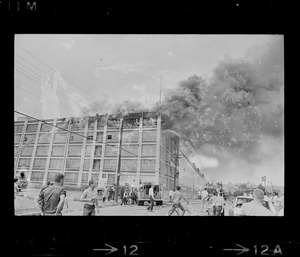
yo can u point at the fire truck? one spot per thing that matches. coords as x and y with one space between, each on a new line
143 194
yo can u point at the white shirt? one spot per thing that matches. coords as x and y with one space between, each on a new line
171 193
151 192
204 194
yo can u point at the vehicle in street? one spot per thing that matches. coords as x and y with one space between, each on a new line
235 209
143 194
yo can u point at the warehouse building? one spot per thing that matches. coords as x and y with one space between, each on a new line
87 148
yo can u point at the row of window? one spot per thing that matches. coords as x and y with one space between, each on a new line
74 164
71 177
75 150
61 137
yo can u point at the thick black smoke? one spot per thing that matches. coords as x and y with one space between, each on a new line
242 102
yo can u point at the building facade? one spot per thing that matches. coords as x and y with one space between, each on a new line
85 149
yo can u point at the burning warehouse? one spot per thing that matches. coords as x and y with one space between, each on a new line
87 148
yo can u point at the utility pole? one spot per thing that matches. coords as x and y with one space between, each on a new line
193 185
119 160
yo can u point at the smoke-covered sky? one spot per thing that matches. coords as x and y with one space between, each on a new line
222 93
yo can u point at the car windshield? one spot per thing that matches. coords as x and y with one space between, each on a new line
241 201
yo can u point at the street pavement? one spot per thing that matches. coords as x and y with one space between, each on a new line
24 205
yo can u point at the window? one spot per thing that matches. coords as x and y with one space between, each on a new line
111 179
72 164
95 177
46 127
111 150
31 127
103 175
75 138
96 164
60 138
44 138
151 122
39 163
19 128
130 136
99 136
110 164
37 176
58 150
84 178
74 150
114 136
128 165
90 136
51 176
78 125
86 164
70 178
29 138
147 164
98 150
88 150
27 150
91 123
17 138
42 150
149 135
24 162
56 164
130 150
148 150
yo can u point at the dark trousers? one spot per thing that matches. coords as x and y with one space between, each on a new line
88 210
150 207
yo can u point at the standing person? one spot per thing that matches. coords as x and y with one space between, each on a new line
281 211
176 199
151 194
256 207
204 195
122 193
124 199
276 202
109 189
51 200
171 192
219 202
89 196
213 203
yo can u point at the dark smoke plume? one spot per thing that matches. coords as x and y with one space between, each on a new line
242 102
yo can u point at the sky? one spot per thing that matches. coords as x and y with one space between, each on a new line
63 75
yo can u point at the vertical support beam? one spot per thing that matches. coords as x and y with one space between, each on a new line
119 161
138 172
103 152
34 148
82 153
49 152
157 164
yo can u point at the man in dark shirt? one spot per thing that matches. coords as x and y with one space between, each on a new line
50 201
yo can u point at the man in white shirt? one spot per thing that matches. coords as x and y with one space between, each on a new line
171 194
204 195
219 203
89 196
256 207
151 194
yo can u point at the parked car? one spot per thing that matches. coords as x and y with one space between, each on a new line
235 209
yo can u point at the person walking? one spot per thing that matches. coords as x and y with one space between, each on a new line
256 207
151 194
204 195
51 200
124 199
171 192
276 202
213 203
176 199
89 196
219 203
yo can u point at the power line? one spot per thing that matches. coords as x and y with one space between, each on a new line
37 80
87 95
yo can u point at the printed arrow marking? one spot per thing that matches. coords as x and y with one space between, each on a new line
111 250
241 250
